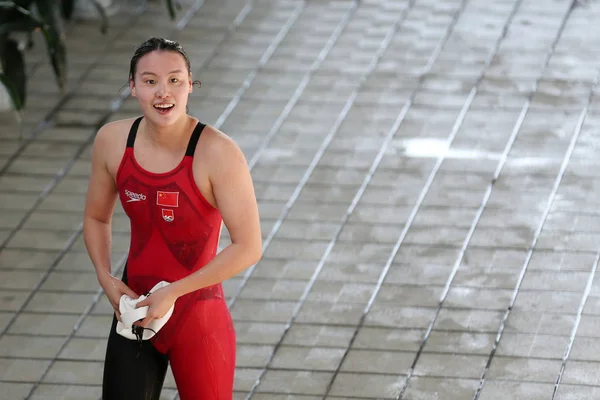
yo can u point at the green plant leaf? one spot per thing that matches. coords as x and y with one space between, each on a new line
22 24
13 75
58 55
30 41
12 92
14 10
171 7
54 37
11 4
104 18
66 8
23 3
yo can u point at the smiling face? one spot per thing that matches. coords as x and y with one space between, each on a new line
162 84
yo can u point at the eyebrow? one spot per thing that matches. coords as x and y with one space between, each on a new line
176 71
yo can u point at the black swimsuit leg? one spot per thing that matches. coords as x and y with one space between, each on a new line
132 371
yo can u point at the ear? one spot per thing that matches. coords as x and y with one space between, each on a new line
191 84
132 87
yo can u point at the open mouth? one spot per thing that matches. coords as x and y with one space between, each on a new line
163 108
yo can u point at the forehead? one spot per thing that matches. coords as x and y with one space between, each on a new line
161 62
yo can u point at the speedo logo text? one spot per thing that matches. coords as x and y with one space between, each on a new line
134 196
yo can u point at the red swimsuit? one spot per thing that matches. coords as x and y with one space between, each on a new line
175 232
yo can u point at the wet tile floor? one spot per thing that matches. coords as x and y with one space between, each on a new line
428 186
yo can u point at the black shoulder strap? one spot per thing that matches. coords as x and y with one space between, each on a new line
194 139
133 132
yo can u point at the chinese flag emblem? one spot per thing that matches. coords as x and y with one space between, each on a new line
168 215
167 199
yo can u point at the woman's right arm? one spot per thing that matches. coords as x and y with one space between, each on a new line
97 220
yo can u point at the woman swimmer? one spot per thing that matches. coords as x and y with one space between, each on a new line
178 180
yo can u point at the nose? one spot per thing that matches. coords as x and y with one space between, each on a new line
162 91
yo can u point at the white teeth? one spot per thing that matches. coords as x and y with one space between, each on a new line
163 105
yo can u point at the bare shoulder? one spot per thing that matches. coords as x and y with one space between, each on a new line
231 188
112 133
220 151
110 142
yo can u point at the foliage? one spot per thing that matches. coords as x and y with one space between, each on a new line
46 17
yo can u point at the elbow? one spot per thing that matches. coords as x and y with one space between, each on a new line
258 255
87 223
255 252
91 218
93 226
248 250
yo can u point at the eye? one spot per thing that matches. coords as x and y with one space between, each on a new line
174 80
150 81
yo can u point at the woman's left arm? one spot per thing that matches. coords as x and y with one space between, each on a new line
233 191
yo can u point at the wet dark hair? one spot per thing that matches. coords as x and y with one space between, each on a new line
158 44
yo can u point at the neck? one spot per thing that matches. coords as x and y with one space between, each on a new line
169 136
